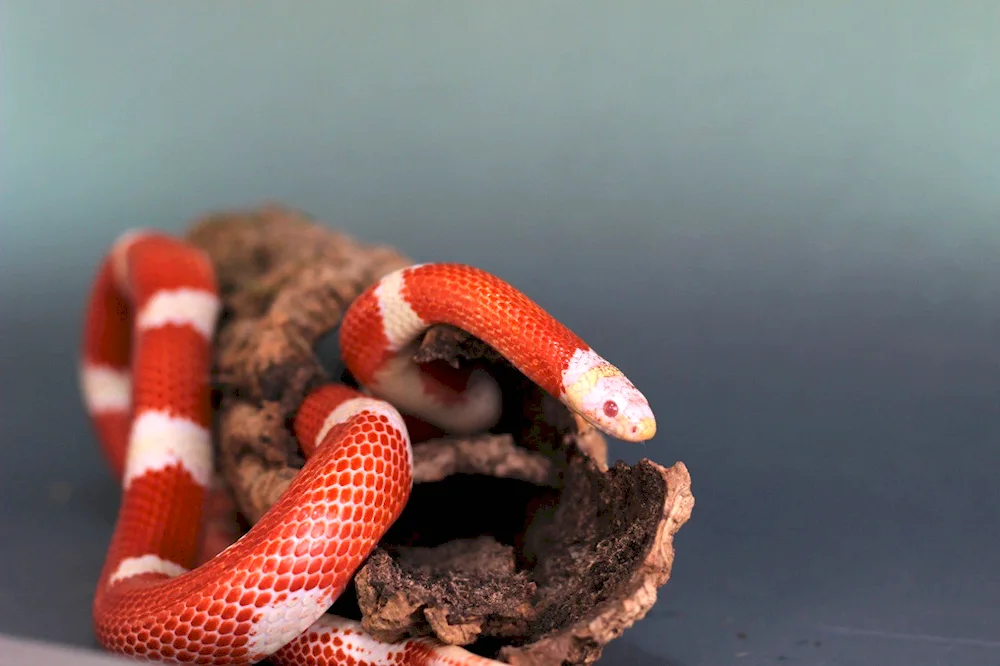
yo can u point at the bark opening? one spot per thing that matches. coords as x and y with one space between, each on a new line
520 544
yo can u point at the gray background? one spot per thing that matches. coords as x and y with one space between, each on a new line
779 218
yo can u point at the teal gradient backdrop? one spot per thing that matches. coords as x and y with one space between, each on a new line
782 219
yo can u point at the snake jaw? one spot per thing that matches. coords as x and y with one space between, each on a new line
639 423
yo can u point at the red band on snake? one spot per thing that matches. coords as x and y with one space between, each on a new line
145 370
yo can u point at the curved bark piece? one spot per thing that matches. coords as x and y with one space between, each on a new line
521 544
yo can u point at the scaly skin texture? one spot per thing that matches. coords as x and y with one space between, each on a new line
390 316
169 589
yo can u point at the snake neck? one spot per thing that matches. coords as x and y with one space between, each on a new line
383 325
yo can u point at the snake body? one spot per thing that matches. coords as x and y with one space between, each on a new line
145 366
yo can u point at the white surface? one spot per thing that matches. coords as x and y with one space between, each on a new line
20 652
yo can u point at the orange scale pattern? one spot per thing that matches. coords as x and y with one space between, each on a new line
305 548
334 640
477 300
266 593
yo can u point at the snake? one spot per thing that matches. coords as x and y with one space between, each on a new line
145 377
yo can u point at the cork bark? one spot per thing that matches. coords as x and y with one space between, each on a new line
521 544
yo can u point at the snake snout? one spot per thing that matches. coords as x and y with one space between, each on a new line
639 423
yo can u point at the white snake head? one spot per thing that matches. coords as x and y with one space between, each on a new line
605 398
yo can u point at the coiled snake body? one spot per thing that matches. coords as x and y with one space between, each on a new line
145 380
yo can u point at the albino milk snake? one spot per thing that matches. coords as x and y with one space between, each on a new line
145 370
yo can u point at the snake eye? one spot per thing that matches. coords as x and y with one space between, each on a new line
611 409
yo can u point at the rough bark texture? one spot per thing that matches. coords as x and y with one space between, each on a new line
520 544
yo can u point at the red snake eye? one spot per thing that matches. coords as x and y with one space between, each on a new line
611 409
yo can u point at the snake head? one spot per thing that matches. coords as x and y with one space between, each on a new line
607 399
621 412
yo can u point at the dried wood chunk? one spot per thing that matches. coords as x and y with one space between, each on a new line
521 544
